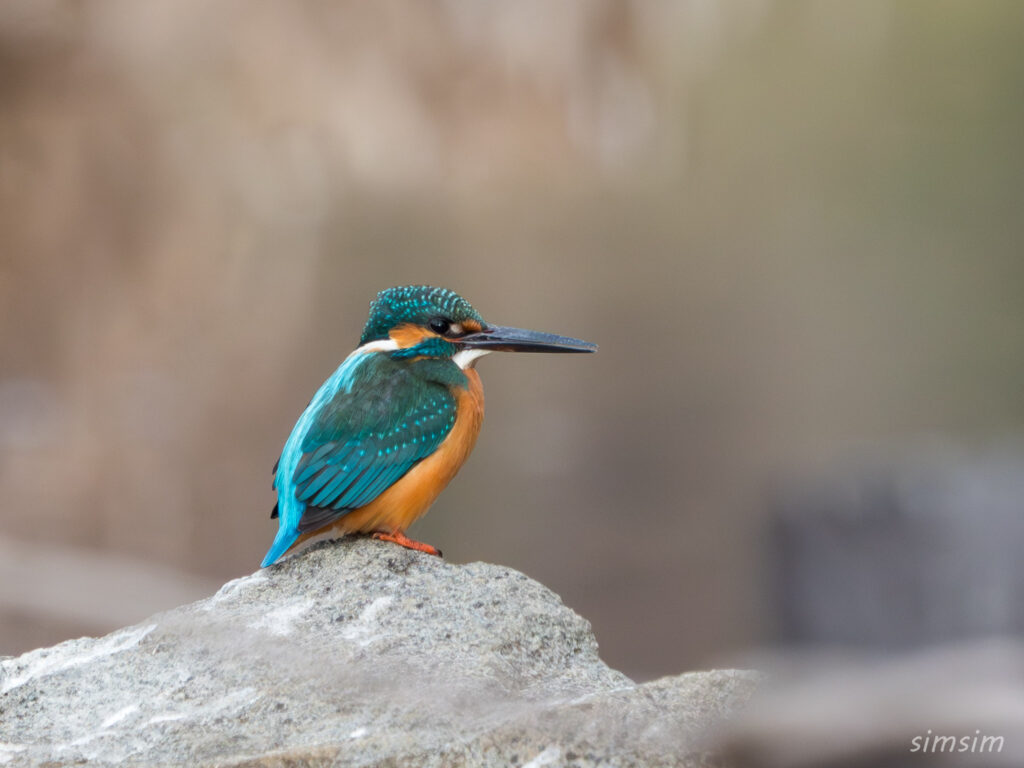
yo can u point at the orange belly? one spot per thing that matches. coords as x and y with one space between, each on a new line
410 497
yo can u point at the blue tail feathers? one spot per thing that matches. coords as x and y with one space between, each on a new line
284 539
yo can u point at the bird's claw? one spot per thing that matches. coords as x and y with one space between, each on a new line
404 541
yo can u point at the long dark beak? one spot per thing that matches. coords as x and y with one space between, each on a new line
500 339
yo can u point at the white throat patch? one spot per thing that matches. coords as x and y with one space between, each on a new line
466 358
382 345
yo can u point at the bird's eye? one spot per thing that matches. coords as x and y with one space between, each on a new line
440 326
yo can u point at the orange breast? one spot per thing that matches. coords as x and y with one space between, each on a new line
411 496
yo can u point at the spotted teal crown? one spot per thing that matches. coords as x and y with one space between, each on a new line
415 304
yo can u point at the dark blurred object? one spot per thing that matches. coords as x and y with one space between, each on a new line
950 707
900 555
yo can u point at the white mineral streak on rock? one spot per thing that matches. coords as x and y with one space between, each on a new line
167 717
9 751
365 629
49 661
233 587
120 715
548 757
227 704
281 621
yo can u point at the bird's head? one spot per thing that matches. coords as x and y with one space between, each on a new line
416 321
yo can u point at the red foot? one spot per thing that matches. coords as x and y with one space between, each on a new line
402 540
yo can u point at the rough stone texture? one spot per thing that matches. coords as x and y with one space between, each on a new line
356 653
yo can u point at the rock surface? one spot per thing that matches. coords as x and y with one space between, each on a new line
356 653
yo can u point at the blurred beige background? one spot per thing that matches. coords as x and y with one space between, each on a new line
794 228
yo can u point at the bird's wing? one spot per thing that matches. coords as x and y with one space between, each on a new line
366 437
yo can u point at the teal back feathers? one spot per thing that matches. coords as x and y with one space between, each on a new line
358 446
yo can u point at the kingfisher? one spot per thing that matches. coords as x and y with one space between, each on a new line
387 432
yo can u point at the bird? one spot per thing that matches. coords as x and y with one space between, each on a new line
390 428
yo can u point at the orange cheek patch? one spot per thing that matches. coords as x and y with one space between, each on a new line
471 326
409 335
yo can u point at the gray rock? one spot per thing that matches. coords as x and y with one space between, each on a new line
355 653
